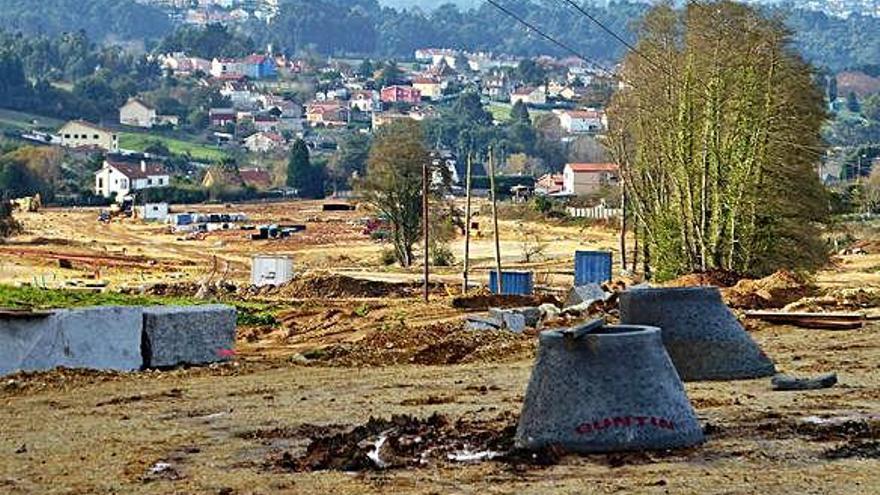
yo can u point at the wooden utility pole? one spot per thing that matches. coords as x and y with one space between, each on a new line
623 201
425 224
500 284
467 226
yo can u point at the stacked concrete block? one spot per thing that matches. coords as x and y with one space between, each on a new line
195 335
106 338
607 389
701 334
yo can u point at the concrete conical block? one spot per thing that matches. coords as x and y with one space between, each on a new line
613 389
701 334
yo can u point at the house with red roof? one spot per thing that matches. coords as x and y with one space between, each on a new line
582 121
587 178
264 142
123 178
404 94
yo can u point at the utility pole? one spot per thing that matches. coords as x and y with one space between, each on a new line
467 226
500 284
623 201
425 224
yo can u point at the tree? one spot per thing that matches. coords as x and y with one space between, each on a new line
366 69
871 107
389 75
852 102
302 175
8 225
350 158
393 183
529 72
520 113
718 155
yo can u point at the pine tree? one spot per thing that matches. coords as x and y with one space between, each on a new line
302 175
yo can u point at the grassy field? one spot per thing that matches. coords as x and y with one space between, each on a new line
22 121
139 142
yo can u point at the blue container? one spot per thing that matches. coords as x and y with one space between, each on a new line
592 267
513 283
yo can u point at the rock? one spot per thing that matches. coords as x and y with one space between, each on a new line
482 323
188 335
512 319
585 293
786 382
549 312
105 338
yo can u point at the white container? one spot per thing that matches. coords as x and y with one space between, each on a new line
271 270
153 212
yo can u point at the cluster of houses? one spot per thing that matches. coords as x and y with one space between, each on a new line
204 12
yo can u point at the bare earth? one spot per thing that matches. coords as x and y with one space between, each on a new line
221 429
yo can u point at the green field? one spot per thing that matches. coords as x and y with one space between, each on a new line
139 141
10 119
499 111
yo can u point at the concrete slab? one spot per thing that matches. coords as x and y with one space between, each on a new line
105 338
174 336
585 293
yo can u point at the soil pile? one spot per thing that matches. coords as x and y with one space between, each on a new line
189 289
717 278
436 344
335 286
401 442
775 291
484 300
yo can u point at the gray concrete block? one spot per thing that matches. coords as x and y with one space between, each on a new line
701 334
585 293
175 336
611 389
105 338
511 319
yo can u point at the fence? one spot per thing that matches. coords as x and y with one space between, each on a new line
600 212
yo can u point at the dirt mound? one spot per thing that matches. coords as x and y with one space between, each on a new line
335 286
484 300
189 289
436 344
401 442
717 278
775 291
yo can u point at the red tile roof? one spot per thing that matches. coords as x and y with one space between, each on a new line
593 167
255 177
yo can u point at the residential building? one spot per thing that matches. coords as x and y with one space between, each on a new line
267 123
264 142
256 177
259 67
123 178
219 117
330 113
428 87
404 94
365 100
136 113
529 95
588 178
221 67
82 134
582 121
550 184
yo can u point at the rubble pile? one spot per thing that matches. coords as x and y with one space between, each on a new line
334 286
775 291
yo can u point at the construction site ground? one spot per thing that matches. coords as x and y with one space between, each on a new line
327 353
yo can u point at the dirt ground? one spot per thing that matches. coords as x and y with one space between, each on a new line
128 252
327 365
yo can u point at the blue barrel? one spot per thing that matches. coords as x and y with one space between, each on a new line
513 283
592 267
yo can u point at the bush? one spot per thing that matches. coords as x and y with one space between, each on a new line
387 257
442 256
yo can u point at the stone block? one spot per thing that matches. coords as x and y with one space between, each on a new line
176 336
105 338
585 293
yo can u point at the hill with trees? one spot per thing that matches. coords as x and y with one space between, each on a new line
101 19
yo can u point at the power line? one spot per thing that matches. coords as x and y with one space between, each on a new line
549 38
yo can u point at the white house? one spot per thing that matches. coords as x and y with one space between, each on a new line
82 134
264 142
123 178
587 178
136 113
582 121
529 95
152 212
365 100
